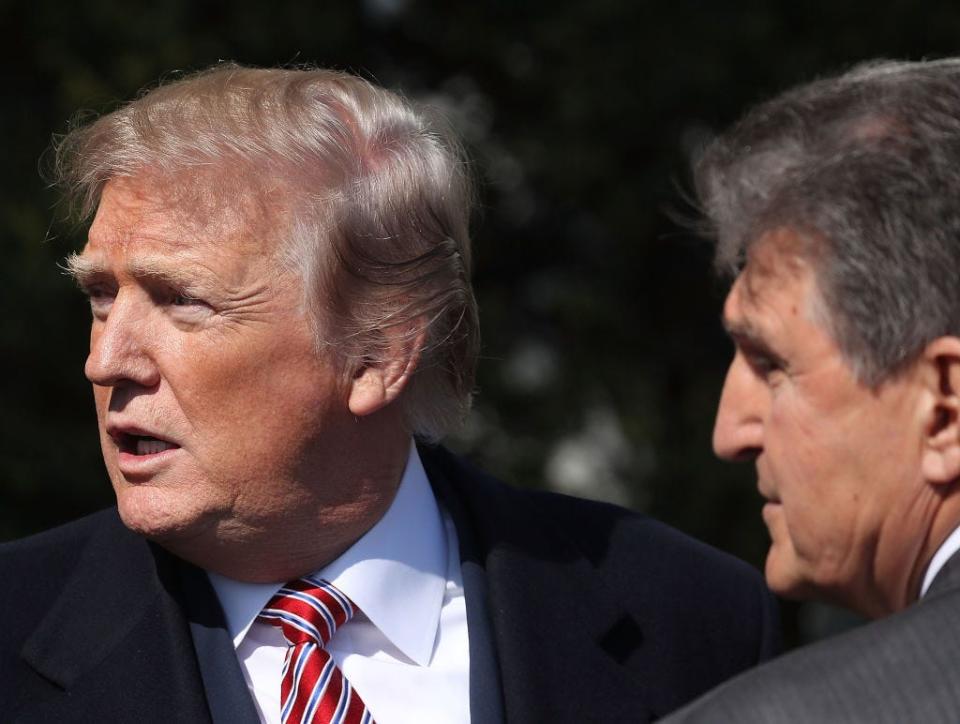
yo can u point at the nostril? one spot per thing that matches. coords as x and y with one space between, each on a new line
736 445
738 434
746 455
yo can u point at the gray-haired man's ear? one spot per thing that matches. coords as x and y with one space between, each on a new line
941 454
380 381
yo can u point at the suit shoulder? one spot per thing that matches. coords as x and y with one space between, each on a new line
890 670
607 534
40 565
636 554
54 549
611 535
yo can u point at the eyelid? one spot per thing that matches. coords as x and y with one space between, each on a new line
163 289
90 287
186 302
763 363
757 353
189 300
762 360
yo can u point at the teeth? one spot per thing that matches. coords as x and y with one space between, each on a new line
151 447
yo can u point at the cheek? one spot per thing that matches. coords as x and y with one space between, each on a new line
256 407
101 402
803 462
793 451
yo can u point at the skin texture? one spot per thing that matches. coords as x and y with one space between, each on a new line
278 460
859 481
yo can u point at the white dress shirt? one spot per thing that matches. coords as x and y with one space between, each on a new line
406 651
950 546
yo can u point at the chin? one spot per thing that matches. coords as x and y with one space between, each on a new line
789 579
152 513
783 576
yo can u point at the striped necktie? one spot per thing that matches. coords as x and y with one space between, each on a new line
313 691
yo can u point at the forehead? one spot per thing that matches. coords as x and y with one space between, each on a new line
177 214
775 300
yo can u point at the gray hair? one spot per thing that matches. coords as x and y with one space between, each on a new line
865 168
374 199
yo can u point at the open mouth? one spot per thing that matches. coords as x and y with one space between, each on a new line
142 444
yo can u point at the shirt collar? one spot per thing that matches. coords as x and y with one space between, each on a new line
395 573
946 550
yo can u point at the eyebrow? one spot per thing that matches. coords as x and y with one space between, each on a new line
86 271
748 336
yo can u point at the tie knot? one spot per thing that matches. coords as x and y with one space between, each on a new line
308 609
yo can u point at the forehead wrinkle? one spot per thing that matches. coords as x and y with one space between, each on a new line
124 235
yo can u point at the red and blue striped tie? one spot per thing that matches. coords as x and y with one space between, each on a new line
313 691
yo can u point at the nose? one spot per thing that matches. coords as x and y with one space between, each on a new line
738 430
121 346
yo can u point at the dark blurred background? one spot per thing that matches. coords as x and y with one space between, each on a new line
603 356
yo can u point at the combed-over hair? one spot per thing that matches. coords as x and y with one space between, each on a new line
374 202
865 167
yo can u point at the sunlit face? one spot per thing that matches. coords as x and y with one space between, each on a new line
837 462
218 419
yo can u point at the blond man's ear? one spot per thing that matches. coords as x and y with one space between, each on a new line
379 381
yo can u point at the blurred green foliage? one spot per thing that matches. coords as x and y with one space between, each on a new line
603 356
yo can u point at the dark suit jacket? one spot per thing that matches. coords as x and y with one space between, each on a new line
903 668
577 611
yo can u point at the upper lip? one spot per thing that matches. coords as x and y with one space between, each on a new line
766 493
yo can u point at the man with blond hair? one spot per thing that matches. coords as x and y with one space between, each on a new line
278 270
837 208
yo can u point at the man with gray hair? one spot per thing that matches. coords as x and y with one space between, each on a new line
837 208
278 271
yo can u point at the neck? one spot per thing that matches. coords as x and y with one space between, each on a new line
943 519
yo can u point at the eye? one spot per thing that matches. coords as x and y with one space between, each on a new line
764 365
183 300
100 298
184 306
170 295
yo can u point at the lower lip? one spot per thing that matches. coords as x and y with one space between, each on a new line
769 509
133 466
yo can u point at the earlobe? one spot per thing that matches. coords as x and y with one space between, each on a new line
941 466
941 454
367 391
380 381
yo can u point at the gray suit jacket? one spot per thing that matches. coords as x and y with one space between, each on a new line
904 668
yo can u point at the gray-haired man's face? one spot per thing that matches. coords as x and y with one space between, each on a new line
837 462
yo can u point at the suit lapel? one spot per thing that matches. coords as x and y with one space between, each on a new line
115 643
227 693
486 695
559 640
